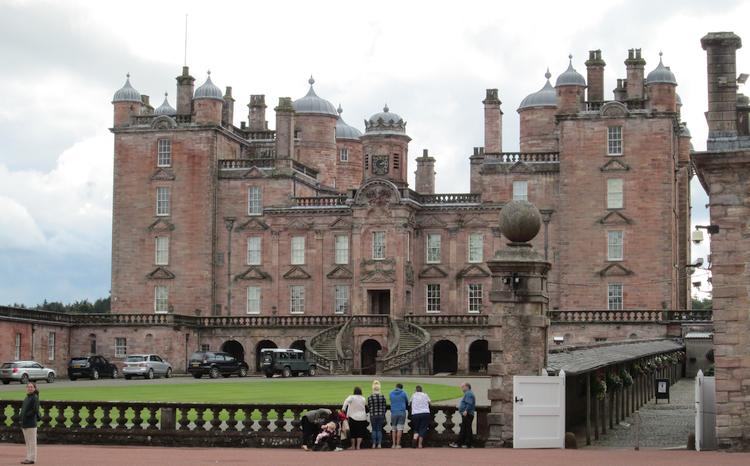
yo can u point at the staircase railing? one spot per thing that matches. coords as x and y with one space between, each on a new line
394 336
402 359
344 360
320 360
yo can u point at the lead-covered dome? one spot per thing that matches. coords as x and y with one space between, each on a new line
126 93
208 90
570 77
344 131
385 122
661 74
165 108
312 104
544 97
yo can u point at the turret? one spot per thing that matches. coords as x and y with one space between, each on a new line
349 155
493 122
208 102
425 174
537 113
570 87
661 84
386 146
185 84
315 124
127 103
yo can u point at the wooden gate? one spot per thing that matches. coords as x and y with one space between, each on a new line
539 411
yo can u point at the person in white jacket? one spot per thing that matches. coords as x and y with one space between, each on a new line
355 407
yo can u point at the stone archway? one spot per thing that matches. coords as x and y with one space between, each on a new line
234 348
299 345
368 356
263 344
444 357
479 356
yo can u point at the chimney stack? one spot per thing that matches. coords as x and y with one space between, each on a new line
425 174
185 84
257 113
227 110
721 50
285 128
595 76
635 65
493 122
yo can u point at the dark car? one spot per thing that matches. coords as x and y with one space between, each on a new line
287 362
92 367
215 364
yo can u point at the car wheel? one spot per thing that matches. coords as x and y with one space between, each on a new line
214 373
95 375
243 371
168 374
114 373
127 377
269 375
312 371
72 379
51 377
25 379
6 382
197 376
287 372
150 374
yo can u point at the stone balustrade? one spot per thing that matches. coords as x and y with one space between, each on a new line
630 315
370 320
318 201
437 320
528 157
195 424
272 321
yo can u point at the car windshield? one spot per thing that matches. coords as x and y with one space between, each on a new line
198 356
135 359
79 359
7 365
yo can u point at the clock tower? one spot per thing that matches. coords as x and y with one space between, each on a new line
386 147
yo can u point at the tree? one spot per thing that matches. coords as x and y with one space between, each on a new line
705 304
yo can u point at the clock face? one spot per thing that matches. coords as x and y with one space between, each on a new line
380 164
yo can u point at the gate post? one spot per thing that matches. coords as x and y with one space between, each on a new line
518 318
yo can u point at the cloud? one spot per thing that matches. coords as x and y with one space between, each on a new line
18 230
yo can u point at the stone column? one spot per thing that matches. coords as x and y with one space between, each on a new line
518 317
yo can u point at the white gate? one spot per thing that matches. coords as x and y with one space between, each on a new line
705 412
539 411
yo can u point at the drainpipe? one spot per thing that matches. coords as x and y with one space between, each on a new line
229 223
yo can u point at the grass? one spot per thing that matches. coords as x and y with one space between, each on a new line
263 392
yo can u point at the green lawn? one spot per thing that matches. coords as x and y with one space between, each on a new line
266 392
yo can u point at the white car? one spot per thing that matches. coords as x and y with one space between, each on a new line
147 366
25 372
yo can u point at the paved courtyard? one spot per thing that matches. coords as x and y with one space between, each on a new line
68 455
662 425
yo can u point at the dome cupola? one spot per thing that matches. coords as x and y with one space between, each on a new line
570 77
165 108
344 131
126 93
385 122
208 90
544 97
661 74
312 104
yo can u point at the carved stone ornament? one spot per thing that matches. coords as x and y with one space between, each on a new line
164 122
253 273
160 273
378 192
614 109
379 164
296 273
161 224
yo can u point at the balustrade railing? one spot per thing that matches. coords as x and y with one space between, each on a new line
316 201
468 320
272 321
630 315
399 360
528 157
193 424
370 320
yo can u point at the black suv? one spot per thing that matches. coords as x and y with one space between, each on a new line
92 367
215 364
287 362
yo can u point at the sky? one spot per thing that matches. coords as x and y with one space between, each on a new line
430 62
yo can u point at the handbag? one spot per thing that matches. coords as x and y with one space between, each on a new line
344 429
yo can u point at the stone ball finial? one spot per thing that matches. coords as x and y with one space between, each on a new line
520 221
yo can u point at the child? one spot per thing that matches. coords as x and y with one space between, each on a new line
326 439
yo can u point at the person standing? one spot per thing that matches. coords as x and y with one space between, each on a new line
399 401
420 416
29 417
467 408
311 423
376 406
355 407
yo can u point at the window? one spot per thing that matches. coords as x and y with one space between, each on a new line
614 193
342 249
367 161
162 201
254 250
520 190
205 347
51 346
396 161
378 245
614 297
614 245
297 299
121 347
433 248
18 346
476 247
614 140
342 299
475 297
433 298
253 300
343 154
161 299
162 250
298 250
164 153
254 201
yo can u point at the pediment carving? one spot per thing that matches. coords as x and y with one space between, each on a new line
253 273
160 273
254 172
471 222
615 217
161 224
340 273
377 192
296 273
298 224
163 174
164 122
432 271
253 224
341 223
614 109
615 270
379 276
473 271
378 271
520 167
614 165
430 221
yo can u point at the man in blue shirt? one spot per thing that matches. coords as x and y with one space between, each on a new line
466 407
399 401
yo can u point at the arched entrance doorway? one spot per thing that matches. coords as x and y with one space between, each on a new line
444 357
234 348
368 355
263 344
479 356
299 344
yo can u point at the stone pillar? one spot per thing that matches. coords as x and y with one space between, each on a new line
257 113
424 181
518 318
493 123
284 128
721 54
185 84
227 110
595 76
634 84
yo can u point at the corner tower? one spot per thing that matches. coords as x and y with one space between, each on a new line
386 147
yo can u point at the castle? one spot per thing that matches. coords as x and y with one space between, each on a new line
315 218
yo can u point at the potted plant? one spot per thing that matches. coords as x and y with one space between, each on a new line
627 379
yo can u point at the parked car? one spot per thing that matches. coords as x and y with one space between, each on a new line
25 371
287 362
92 367
147 366
215 364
